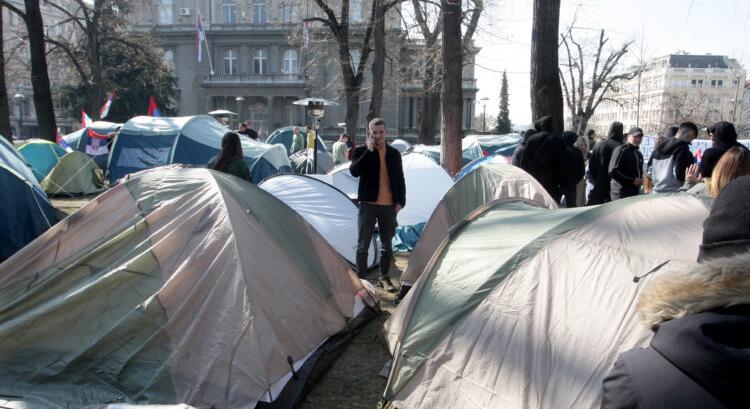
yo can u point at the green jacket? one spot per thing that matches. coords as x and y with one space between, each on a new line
237 167
298 142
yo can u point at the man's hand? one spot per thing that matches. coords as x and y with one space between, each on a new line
370 143
693 173
398 208
637 181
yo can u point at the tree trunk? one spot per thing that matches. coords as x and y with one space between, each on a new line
352 114
378 64
5 128
546 91
452 90
45 110
430 111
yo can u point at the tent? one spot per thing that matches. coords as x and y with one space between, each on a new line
146 142
490 159
325 208
524 307
470 150
75 174
491 181
401 145
303 164
180 285
284 136
41 155
340 178
25 210
499 144
80 139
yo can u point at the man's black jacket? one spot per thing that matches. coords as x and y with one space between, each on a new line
366 166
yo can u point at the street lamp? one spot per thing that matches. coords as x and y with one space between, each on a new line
484 101
20 98
239 103
316 109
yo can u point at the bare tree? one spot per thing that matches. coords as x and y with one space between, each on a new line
378 64
694 107
589 82
546 92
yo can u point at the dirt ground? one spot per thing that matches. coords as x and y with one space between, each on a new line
353 381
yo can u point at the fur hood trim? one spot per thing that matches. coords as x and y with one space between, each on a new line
716 283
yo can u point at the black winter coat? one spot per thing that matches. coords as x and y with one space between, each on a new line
575 167
366 166
698 361
599 162
625 166
543 158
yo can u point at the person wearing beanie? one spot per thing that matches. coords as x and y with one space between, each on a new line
724 138
699 356
626 167
599 164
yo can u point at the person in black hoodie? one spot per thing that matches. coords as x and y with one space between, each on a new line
543 156
575 167
626 167
599 164
518 152
724 137
666 167
699 356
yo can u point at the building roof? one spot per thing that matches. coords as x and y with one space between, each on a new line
697 61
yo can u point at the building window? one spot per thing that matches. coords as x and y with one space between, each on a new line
290 12
259 12
229 11
165 12
720 83
355 11
168 60
291 62
230 61
411 112
260 62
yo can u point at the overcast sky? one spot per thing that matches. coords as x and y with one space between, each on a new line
719 27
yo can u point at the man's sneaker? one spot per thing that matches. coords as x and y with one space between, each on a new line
386 283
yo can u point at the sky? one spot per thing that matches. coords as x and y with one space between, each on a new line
658 27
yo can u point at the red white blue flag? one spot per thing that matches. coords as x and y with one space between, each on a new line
153 109
200 36
104 111
85 120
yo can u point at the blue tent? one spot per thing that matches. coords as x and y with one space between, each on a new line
80 138
42 156
148 142
26 213
284 137
484 160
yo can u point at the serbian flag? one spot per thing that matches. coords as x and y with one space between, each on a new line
104 111
153 109
85 120
698 155
200 36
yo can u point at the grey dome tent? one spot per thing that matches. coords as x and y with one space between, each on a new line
525 307
179 285
284 136
326 208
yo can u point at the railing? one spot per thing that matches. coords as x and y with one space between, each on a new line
467 83
254 79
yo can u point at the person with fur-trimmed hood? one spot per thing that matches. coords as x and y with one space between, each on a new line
699 356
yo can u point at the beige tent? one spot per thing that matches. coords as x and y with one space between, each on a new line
486 183
75 174
526 307
177 286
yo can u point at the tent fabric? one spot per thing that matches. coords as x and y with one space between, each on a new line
401 145
10 157
470 150
180 285
529 307
325 208
79 139
303 164
75 174
484 160
285 135
147 142
42 156
499 144
488 182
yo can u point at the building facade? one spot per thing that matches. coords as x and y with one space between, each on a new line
260 59
680 87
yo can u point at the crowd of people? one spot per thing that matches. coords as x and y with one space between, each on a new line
615 168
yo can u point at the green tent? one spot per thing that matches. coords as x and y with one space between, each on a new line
180 285
75 174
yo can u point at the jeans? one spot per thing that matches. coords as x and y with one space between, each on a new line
386 217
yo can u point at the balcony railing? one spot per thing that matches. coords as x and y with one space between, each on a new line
468 84
284 79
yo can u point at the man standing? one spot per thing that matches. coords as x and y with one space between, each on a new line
381 195
626 167
543 156
599 164
298 141
672 156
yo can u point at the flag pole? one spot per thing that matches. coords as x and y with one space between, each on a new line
208 51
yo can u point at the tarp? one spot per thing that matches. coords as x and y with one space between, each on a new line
499 144
487 182
75 174
528 308
147 142
326 208
79 139
180 285
303 163
284 137
42 156
470 150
